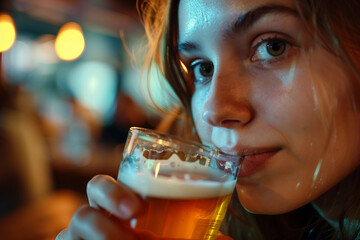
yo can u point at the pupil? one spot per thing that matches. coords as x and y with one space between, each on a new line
275 48
206 69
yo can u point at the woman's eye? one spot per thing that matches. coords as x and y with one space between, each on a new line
271 49
202 71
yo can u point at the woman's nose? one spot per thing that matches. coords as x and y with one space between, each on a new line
228 104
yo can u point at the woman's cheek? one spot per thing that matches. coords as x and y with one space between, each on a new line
197 106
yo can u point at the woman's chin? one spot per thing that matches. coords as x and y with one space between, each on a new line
268 204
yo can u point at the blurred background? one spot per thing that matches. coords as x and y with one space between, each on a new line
69 91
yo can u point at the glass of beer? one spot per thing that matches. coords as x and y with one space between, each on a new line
187 186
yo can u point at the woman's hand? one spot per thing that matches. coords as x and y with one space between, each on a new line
107 217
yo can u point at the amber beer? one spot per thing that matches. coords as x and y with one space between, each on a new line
181 204
187 185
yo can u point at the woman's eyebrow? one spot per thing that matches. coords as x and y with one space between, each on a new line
188 47
245 21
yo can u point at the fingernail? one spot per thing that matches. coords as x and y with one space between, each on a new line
127 209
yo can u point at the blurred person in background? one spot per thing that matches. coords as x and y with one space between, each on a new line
25 171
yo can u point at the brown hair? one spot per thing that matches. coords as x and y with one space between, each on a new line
334 24
160 20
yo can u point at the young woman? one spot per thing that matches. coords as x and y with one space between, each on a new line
276 81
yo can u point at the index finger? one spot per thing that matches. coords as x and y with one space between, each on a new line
106 193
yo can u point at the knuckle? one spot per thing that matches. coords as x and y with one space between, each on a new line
113 191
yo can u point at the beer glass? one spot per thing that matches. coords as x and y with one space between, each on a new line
187 186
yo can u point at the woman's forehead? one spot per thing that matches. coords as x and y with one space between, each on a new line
200 7
210 16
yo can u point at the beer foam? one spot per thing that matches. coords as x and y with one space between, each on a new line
153 182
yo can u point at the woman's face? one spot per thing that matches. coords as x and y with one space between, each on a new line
265 89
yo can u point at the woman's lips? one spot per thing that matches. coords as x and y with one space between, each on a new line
252 162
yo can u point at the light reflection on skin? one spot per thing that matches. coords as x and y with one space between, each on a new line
316 173
291 74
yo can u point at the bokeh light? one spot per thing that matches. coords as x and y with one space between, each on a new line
94 85
7 32
70 42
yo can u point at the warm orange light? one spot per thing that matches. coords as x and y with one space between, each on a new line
184 67
70 42
7 32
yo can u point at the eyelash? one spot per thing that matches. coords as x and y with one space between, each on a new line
263 41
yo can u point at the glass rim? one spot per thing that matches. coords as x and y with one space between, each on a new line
165 136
